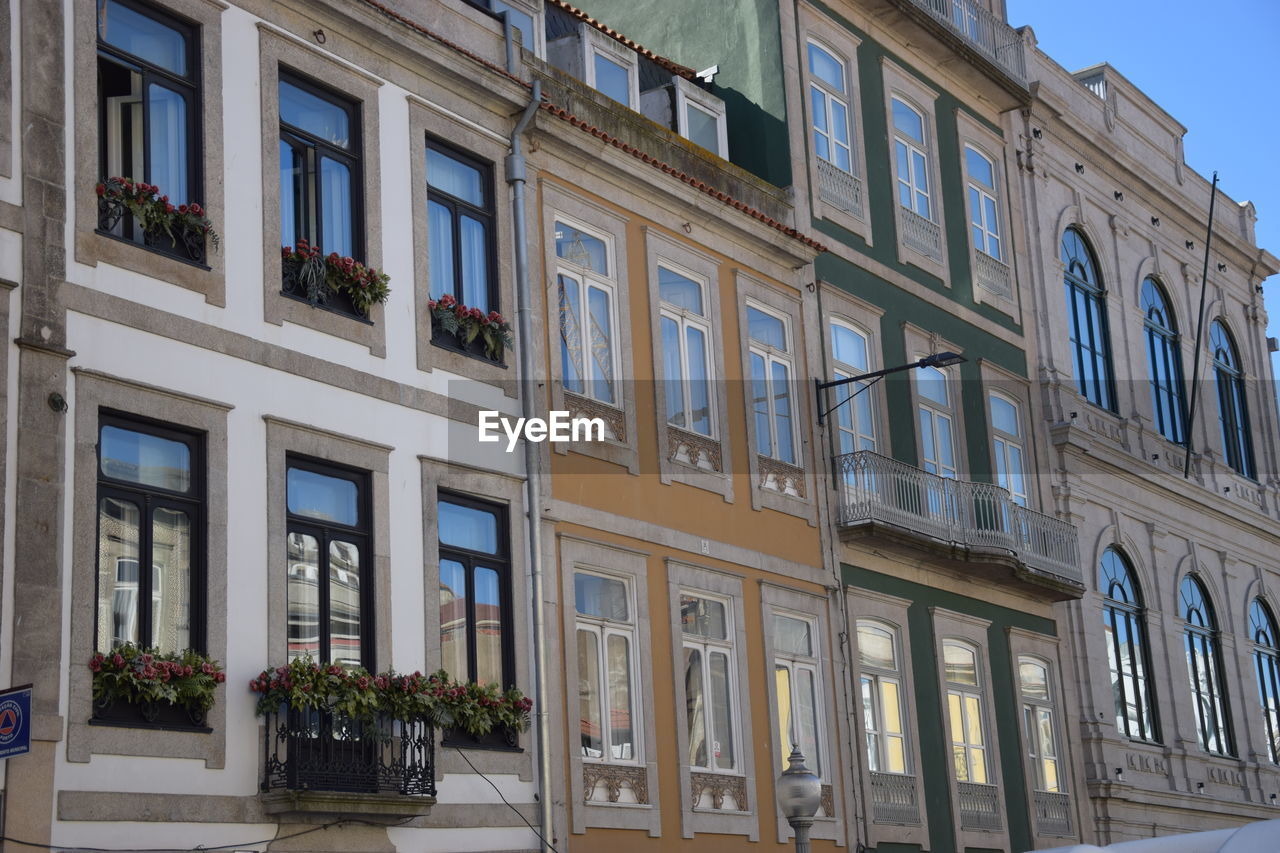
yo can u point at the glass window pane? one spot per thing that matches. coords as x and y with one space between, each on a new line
170 580
791 635
889 698
931 384
703 617
612 79
826 68
1004 415
695 708
167 143
440 249
602 597
721 711
782 686
520 20
699 393
146 459
849 347
703 127
144 37
781 384
807 719
571 333
468 527
292 202
344 603
592 744
679 291
840 129
960 663
320 496
475 263
973 720
580 248
621 731
908 121
760 405
896 754
1035 680
489 627
818 109
304 596
875 647
118 555
337 214
315 115
980 169
955 717
673 372
766 329
453 619
452 176
600 343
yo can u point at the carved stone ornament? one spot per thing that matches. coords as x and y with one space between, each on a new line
615 422
781 476
828 801
718 785
614 777
693 449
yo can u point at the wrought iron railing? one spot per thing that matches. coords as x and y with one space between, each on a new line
839 188
923 235
979 806
320 751
985 32
893 799
876 488
992 275
1053 813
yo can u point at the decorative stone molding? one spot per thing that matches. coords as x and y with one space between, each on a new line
614 777
827 799
718 784
615 421
781 476
693 449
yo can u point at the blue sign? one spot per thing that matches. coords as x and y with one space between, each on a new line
15 721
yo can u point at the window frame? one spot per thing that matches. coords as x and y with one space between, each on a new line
1164 348
596 43
1233 401
707 646
811 663
1265 638
1202 642
1001 442
458 206
965 692
586 279
1033 743
918 148
603 628
684 319
934 411
1135 616
786 358
843 97
1093 296
689 95
905 86
842 369
875 676
985 193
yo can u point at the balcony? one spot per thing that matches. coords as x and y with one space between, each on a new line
980 31
923 235
992 275
839 188
977 525
893 799
1053 813
979 806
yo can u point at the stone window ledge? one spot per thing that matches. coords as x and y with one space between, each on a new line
346 803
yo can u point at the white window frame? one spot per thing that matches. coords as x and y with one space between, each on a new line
706 646
810 663
596 43
978 216
684 319
935 412
916 185
771 356
586 279
1034 744
964 692
690 95
839 370
535 11
877 675
902 85
1042 650
1001 441
828 95
603 628
975 136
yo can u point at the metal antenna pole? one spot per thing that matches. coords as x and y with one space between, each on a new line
1195 356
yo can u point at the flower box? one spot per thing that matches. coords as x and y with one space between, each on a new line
469 330
135 210
134 686
340 283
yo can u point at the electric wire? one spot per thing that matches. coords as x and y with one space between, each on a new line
541 837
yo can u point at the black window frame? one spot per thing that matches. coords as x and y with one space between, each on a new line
324 531
1201 641
1164 350
1233 402
194 502
1134 616
1099 387
487 215
192 87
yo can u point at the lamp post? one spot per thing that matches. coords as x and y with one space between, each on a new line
799 794
938 359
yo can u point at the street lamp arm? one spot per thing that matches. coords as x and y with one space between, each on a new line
938 359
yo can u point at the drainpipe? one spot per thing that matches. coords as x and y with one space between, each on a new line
515 168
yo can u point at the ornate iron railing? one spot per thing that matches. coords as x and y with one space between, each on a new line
893 799
985 32
839 188
1053 813
319 751
992 275
979 806
876 488
923 235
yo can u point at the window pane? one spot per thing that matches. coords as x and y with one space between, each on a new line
840 131
1035 680
453 619
849 347
458 179
167 143
875 647
589 694
961 664
323 497
896 754
826 68
580 248
679 291
317 116
468 527
145 38
602 597
601 344
791 635
782 686
889 698
721 711
304 596
475 263
673 372
781 378
621 732
766 329
973 720
118 555
1004 415
571 333
908 121
612 79
695 708
292 202
170 580
520 20
931 384
344 603
807 718
703 617
337 226
699 399
818 108
979 167
760 405
489 627
148 460
704 128
440 249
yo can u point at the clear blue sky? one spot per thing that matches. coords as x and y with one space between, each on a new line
1215 67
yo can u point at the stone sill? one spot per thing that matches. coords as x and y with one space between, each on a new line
346 803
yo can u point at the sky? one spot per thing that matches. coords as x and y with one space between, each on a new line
1215 67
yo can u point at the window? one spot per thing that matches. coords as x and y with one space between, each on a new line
964 712
686 353
1086 300
1125 629
150 514
829 108
611 68
795 673
1266 662
460 228
330 570
1233 410
709 683
882 698
700 117
911 159
1164 363
1038 725
984 218
475 607
855 419
1204 668
587 311
606 668
148 102
770 360
1006 440
937 440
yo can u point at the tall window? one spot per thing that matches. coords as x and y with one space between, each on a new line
1086 300
1266 663
1125 628
686 354
148 100
1038 724
606 668
586 279
475 596
319 168
1204 668
795 672
937 441
984 217
911 159
855 420
150 573
1233 410
710 687
330 563
1007 449
1164 362
460 228
829 108
770 358
964 712
883 701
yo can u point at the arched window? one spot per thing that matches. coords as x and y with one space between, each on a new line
1233 412
1038 723
1205 669
1266 661
1124 623
829 103
964 711
855 420
1087 305
1164 363
883 702
911 159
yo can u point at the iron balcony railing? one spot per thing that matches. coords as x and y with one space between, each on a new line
839 188
985 32
992 275
1053 813
893 799
875 488
320 751
979 806
923 235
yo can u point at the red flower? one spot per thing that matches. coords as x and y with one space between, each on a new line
219 677
168 208
447 300
182 208
96 664
100 189
118 660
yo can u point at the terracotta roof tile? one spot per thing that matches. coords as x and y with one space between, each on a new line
673 67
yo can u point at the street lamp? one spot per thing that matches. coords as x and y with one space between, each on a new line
938 359
799 794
